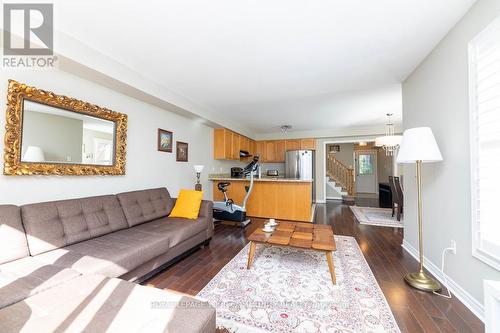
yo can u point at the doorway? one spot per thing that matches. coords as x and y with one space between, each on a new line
366 171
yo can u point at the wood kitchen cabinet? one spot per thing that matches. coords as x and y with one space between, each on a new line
244 143
260 149
270 149
286 200
252 150
227 144
280 151
292 145
235 146
223 144
308 144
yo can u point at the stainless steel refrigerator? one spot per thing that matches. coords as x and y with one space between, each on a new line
299 164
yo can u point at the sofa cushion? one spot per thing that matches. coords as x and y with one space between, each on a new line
56 224
115 254
146 205
26 277
13 243
177 229
94 303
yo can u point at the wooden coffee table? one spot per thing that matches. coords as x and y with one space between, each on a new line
317 237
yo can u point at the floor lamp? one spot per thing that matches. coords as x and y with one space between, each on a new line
419 146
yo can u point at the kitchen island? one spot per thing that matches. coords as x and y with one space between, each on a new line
271 197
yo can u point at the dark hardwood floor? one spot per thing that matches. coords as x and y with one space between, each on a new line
414 311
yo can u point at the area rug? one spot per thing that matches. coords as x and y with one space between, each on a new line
290 290
376 216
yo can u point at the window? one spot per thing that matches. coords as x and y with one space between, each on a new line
365 164
484 81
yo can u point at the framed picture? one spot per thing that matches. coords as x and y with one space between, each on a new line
165 140
182 151
334 148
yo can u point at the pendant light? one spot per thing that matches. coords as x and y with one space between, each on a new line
389 142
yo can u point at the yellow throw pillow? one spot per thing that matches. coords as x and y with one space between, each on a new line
188 204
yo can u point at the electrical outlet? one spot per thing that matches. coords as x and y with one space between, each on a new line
453 246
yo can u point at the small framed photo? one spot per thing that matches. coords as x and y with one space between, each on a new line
334 148
182 151
165 140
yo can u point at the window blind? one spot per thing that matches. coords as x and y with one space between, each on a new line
484 77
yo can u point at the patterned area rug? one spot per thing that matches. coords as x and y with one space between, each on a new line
290 290
376 216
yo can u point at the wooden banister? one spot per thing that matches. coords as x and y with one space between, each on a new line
341 174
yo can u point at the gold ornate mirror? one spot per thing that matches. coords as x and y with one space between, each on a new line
49 134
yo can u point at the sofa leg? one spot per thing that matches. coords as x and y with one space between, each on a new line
206 243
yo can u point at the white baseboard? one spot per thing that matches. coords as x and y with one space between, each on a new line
470 302
333 198
321 201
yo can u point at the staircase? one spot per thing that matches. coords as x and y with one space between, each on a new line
340 178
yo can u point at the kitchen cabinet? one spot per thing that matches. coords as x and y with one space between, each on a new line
227 144
260 149
280 151
308 144
270 152
244 143
285 200
235 146
252 149
292 145
223 144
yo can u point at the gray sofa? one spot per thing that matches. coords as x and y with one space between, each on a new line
69 265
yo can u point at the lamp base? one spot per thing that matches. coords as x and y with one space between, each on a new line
422 281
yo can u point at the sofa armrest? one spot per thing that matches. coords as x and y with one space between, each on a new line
207 214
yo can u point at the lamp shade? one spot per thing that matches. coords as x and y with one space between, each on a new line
34 154
419 144
198 168
388 140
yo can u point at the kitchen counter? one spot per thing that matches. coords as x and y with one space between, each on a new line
263 179
271 197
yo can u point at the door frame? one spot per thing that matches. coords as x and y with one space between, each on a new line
376 167
353 139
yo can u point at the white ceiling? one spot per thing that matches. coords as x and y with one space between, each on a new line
312 64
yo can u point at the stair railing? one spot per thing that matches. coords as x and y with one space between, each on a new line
341 174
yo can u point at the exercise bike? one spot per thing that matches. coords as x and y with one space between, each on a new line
227 210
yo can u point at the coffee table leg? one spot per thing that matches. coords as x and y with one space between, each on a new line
330 266
250 254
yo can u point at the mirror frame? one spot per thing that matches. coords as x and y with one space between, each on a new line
17 93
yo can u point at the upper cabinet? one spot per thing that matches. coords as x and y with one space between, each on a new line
308 144
227 146
292 145
280 150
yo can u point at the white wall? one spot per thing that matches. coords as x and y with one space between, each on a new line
145 168
436 95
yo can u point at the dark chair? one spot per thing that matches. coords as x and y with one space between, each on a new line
399 191
394 194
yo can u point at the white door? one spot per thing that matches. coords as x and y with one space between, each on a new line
366 171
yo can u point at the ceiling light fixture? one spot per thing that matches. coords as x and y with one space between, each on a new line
286 128
390 142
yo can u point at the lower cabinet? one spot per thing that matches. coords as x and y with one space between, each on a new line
272 199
